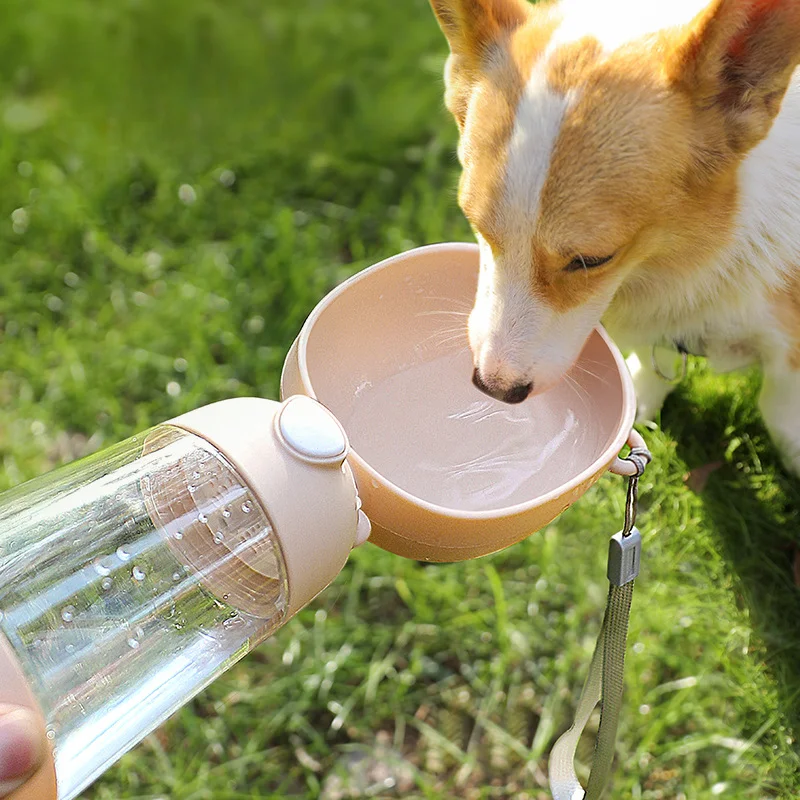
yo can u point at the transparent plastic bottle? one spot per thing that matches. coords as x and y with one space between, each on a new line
132 579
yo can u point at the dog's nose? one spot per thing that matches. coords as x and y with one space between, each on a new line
516 394
478 381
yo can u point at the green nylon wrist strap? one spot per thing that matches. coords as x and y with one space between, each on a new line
605 680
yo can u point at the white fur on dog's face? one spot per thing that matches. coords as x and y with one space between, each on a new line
517 337
578 145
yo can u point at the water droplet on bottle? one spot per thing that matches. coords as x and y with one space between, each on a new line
219 537
133 644
123 554
138 574
68 613
226 512
225 596
202 518
51 734
176 576
192 488
247 506
70 648
179 535
106 583
101 569
196 475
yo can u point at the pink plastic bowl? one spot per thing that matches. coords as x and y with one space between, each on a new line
445 473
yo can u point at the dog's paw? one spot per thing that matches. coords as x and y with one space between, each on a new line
791 461
778 402
788 447
648 409
787 443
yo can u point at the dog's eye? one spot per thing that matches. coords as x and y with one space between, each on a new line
587 262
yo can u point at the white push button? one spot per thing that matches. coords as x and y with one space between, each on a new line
311 431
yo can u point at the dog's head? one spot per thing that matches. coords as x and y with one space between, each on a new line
598 143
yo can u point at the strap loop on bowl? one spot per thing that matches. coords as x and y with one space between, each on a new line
633 464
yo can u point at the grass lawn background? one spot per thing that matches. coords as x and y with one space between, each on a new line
181 182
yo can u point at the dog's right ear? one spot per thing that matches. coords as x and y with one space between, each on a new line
471 28
736 59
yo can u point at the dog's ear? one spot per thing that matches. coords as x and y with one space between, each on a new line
471 28
737 58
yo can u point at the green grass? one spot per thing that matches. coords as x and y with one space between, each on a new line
313 138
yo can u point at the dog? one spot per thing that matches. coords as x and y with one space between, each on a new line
637 163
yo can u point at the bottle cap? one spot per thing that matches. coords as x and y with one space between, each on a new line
291 455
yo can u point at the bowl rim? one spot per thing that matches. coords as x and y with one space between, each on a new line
600 464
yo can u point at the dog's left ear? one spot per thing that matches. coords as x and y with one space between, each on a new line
737 59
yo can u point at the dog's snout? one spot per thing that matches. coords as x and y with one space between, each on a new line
478 381
514 394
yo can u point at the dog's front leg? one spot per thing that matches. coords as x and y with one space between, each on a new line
651 388
780 408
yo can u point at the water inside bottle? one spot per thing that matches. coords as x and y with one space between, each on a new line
428 430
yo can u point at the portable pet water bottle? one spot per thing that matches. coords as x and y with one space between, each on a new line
132 579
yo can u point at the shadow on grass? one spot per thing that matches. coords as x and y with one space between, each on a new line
753 505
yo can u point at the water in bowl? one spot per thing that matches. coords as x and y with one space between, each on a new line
428 430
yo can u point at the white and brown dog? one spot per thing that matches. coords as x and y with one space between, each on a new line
635 161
